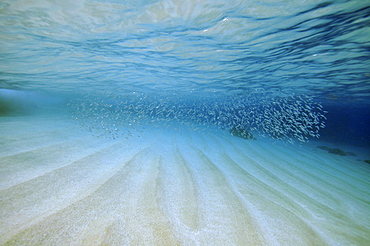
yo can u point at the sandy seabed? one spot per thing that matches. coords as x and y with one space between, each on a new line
60 185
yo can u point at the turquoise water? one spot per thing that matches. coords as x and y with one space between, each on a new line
227 57
184 122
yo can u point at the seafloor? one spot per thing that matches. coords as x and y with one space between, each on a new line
60 185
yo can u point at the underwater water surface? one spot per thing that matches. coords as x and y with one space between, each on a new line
190 109
238 52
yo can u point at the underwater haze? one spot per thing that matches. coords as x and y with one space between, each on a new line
202 49
184 122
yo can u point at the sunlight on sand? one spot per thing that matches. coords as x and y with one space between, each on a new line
59 185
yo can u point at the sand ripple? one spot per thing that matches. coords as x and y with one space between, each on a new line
61 186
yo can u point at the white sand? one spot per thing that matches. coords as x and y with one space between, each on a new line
59 185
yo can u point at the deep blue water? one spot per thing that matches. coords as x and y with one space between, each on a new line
261 65
347 124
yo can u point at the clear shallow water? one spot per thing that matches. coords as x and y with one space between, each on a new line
220 50
307 47
159 90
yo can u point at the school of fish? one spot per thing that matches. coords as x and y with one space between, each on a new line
288 118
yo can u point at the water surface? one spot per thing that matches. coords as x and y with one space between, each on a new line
184 122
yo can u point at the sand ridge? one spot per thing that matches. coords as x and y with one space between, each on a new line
165 187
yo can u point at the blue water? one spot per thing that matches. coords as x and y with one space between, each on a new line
228 57
184 122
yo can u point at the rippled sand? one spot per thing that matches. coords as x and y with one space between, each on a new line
59 185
